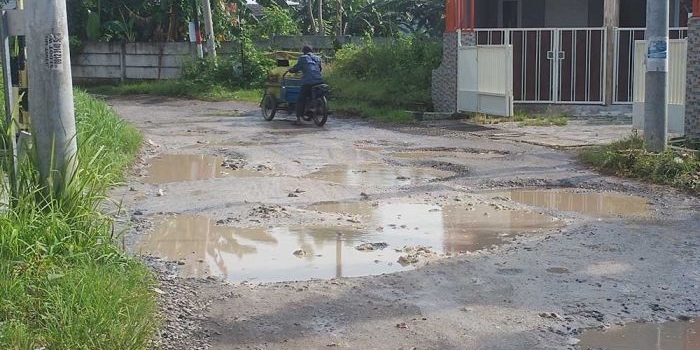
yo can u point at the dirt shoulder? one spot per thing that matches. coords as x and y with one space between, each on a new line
536 291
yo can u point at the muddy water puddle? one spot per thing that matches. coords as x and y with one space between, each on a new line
448 229
376 174
190 167
594 204
266 254
387 240
645 336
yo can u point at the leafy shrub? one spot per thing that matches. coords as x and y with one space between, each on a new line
395 74
248 70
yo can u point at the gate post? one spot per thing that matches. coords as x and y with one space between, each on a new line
459 17
692 96
444 79
611 21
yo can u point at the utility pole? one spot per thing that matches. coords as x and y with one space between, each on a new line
196 29
51 93
209 26
655 98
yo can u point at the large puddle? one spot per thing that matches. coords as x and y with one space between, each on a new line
645 336
594 204
303 253
189 167
374 174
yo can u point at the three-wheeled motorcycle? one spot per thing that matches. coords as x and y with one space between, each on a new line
283 88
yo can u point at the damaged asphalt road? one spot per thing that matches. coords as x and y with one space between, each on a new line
451 257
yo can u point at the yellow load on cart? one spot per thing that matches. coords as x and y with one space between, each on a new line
284 60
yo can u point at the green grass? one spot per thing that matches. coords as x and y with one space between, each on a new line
179 88
521 119
64 284
629 158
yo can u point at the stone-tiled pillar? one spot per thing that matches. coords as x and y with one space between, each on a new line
444 83
692 96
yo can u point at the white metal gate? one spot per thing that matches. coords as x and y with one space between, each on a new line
485 80
554 65
677 51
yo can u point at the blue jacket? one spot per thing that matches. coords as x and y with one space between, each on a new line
310 67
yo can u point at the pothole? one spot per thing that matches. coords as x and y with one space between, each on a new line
645 336
385 239
375 174
248 143
558 270
190 167
594 204
444 152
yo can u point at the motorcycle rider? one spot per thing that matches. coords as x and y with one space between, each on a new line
311 75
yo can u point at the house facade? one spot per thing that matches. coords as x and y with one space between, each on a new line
564 51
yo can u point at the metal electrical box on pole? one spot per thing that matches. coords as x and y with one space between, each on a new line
655 98
51 93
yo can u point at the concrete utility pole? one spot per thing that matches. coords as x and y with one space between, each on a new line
209 26
51 92
655 98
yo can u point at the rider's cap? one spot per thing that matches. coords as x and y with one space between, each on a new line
307 49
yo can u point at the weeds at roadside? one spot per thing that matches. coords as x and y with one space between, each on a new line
679 168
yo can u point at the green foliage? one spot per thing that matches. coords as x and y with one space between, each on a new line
395 75
276 21
166 20
629 158
122 29
148 21
64 284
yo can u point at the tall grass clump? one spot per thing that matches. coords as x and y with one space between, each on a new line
64 284
378 78
676 167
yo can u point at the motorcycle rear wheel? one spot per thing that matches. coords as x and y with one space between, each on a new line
321 111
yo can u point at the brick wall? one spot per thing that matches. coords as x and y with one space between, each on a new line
444 83
692 104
